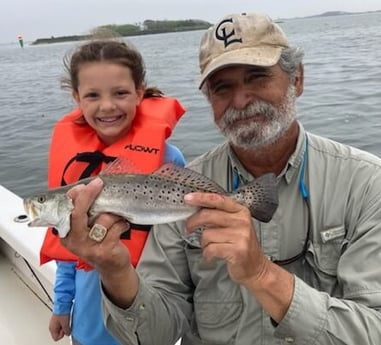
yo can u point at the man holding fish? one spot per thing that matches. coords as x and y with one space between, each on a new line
309 276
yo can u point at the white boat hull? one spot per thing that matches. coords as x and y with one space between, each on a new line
24 311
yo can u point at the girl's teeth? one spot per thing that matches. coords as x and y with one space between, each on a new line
110 119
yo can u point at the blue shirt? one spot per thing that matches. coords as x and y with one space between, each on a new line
78 291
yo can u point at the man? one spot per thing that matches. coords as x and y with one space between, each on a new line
309 276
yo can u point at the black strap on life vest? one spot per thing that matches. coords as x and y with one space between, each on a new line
94 159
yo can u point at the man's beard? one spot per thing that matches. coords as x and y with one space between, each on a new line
250 135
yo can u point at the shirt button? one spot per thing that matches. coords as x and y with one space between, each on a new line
142 307
289 340
129 318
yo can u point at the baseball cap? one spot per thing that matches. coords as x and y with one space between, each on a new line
241 39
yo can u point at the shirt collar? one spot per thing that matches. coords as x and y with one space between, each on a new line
294 163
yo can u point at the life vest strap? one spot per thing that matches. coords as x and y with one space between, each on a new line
95 159
136 227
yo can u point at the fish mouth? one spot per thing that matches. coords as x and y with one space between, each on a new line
33 212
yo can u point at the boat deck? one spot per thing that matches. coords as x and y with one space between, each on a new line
24 317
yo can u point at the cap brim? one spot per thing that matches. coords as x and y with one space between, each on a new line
259 56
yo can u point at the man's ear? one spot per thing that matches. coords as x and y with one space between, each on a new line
299 81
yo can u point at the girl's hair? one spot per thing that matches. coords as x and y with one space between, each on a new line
107 50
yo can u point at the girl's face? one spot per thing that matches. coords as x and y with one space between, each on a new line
108 98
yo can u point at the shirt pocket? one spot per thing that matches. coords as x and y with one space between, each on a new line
216 322
322 258
217 300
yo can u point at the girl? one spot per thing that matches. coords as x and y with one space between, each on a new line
117 116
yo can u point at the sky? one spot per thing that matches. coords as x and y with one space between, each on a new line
45 18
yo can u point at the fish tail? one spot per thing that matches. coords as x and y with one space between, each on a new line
260 196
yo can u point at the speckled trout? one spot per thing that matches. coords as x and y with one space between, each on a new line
148 198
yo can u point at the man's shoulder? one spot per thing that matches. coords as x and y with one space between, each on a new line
330 148
215 157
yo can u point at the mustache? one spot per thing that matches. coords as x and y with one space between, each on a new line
253 109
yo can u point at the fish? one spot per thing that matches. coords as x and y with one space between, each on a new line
147 199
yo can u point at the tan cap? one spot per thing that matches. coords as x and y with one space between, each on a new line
241 39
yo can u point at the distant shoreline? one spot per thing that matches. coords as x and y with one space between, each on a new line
73 38
333 14
148 27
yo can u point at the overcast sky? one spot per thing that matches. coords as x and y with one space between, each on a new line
44 18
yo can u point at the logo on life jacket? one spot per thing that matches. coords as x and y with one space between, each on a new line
141 148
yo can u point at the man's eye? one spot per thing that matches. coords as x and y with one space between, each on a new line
220 88
257 76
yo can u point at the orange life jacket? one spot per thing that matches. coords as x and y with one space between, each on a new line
76 152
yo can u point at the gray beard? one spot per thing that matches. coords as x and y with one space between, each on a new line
254 135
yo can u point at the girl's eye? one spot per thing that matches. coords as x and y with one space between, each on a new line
91 95
122 93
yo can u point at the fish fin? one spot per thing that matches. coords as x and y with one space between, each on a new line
260 196
189 177
63 227
121 165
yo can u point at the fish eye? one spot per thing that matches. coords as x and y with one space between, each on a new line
41 198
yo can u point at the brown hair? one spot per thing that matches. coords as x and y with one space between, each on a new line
111 51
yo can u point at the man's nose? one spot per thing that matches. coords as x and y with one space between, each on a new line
242 97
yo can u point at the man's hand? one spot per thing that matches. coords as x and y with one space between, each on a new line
228 234
110 253
109 256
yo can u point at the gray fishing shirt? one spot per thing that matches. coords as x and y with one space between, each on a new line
337 295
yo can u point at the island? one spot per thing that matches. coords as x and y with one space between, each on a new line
337 13
148 27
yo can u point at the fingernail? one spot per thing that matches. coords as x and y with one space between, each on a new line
188 197
97 181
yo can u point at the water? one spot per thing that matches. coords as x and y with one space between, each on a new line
341 100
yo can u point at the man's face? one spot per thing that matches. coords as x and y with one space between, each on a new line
253 106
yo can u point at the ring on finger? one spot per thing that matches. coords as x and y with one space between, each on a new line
98 232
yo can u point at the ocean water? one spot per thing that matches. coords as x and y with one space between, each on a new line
341 100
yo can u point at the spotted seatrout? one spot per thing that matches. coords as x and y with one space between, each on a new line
148 198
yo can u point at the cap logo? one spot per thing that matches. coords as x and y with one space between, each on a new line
222 33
